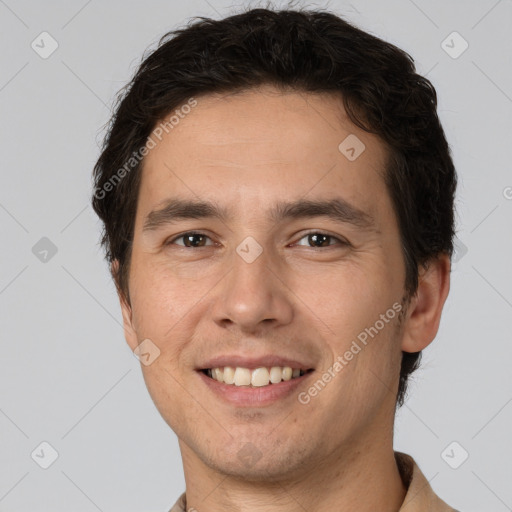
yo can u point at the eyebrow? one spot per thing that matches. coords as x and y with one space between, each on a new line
337 209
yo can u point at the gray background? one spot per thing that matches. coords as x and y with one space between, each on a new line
68 378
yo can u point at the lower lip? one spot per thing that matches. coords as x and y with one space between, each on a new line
245 396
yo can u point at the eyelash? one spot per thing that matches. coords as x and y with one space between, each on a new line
332 237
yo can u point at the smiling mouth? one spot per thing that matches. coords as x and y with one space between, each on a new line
257 377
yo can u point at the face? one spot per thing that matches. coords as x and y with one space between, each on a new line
292 258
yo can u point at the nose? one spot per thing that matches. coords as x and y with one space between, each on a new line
253 296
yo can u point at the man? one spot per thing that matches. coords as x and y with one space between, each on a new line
277 195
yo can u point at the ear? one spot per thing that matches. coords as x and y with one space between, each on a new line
130 332
424 312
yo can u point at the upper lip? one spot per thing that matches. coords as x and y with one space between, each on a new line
265 361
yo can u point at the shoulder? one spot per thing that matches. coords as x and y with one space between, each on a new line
420 496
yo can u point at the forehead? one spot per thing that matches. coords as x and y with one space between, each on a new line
252 147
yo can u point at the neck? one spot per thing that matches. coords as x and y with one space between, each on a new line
363 478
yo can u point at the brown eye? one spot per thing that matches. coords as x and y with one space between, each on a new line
191 239
319 240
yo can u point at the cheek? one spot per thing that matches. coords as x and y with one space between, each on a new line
346 299
356 309
159 300
367 374
153 309
165 310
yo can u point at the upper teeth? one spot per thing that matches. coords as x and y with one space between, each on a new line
257 377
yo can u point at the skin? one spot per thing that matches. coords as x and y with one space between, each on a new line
247 151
